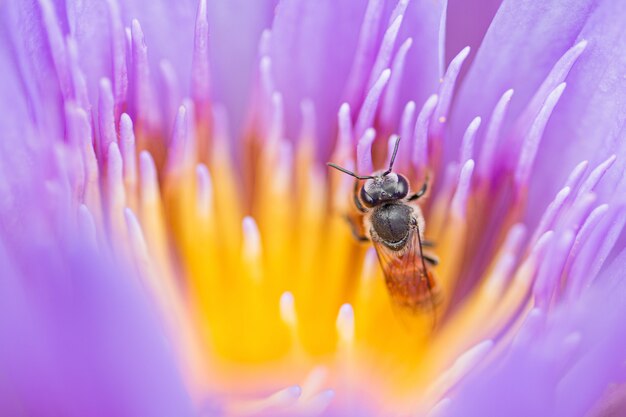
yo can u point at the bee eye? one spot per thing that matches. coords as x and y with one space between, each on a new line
367 199
402 187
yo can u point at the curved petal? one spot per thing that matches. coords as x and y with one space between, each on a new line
312 49
328 51
79 335
591 117
79 339
559 364
235 28
15 122
27 66
424 22
520 47
466 24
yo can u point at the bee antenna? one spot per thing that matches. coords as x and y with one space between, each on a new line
393 156
352 174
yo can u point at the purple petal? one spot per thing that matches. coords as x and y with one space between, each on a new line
522 44
559 365
97 25
28 69
313 44
424 22
235 27
466 24
79 337
590 117
326 51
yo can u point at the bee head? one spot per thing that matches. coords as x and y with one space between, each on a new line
384 188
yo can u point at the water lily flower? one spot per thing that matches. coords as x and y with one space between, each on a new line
172 242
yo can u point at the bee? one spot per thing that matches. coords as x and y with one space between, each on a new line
393 221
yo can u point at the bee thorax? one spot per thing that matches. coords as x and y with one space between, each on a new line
392 224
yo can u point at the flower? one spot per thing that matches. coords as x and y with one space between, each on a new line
172 242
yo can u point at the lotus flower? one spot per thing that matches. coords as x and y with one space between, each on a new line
172 242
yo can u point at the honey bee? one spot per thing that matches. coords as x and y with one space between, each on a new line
392 220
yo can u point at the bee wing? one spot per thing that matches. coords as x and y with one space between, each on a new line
411 286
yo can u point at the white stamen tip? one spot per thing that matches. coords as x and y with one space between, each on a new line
287 309
344 143
135 231
462 365
277 98
467 146
328 394
131 219
251 239
283 397
264 43
534 136
459 201
420 134
345 323
581 45
370 104
265 68
266 63
205 190
473 355
105 84
370 263
596 175
294 391
315 380
86 223
364 151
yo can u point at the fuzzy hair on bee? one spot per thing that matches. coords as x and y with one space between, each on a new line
392 220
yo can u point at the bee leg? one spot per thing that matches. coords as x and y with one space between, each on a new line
355 198
420 193
428 243
431 259
355 231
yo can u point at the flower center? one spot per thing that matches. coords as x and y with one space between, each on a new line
252 262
